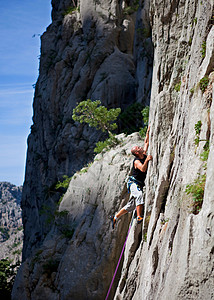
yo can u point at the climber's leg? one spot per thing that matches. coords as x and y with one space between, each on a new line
138 195
139 209
123 211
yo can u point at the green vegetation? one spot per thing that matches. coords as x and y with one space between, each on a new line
20 228
59 187
178 86
63 185
144 32
71 9
131 9
164 221
203 49
196 189
68 233
197 138
92 113
84 169
53 215
7 277
195 20
14 245
98 116
145 114
112 141
204 155
192 90
204 83
198 127
130 119
17 252
5 232
197 132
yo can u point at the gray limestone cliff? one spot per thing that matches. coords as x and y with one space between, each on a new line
103 50
11 229
89 51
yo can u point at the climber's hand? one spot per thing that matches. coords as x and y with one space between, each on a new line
149 157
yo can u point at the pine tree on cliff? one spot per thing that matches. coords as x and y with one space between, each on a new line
98 116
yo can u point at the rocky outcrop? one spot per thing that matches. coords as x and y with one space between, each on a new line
11 229
89 51
79 254
171 255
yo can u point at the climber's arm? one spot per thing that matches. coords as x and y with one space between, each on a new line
140 166
146 141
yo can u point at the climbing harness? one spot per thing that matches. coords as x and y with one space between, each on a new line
131 180
119 259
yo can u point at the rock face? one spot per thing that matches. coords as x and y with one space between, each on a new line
87 53
171 255
78 256
11 234
176 261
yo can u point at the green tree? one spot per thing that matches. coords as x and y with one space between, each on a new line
98 116
7 276
145 114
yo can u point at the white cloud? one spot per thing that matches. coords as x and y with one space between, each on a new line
14 92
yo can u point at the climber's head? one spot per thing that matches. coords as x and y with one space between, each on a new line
138 151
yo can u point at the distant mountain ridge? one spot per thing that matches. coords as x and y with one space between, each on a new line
11 229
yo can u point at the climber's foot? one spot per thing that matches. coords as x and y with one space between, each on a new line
139 220
113 221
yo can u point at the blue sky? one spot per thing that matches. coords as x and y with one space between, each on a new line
20 20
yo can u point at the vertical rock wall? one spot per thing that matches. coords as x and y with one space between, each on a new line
175 261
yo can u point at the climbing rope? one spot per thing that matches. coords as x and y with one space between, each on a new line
119 259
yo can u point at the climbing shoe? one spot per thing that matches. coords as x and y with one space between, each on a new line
139 220
113 221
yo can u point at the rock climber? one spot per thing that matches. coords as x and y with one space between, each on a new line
136 182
